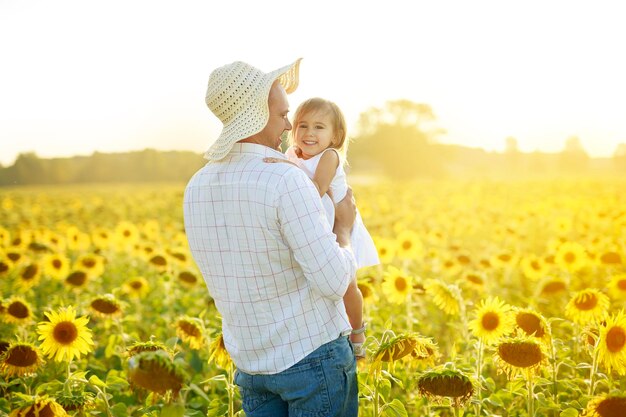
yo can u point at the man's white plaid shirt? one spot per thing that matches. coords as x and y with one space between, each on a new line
260 236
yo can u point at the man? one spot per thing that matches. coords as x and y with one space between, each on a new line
271 262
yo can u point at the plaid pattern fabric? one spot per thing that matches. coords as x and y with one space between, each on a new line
259 234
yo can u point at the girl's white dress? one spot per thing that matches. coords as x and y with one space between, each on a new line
362 244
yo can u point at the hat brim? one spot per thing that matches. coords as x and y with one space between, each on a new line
288 77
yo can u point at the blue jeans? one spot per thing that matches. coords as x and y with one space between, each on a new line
323 384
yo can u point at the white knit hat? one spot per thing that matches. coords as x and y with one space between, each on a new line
238 95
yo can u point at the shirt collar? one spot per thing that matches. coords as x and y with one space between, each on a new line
255 149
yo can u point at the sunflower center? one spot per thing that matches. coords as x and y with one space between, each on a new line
29 272
65 332
490 321
504 257
187 277
76 278
89 263
615 339
406 245
400 284
158 260
22 356
179 256
382 251
586 301
104 306
535 265
3 267
189 328
611 258
56 264
621 284
18 310
46 411
126 233
611 407
521 355
553 287
14 256
136 285
530 324
474 278
569 257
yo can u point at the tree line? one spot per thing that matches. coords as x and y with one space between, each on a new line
399 140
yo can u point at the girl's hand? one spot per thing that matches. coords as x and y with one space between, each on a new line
273 160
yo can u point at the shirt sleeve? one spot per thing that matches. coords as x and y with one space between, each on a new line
327 266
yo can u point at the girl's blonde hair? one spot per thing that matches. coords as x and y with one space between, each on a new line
338 122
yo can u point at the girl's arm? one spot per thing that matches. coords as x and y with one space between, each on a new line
326 169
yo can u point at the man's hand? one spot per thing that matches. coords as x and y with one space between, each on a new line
345 213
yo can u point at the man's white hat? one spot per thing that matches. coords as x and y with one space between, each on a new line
237 94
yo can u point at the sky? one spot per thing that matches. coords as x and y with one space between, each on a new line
82 76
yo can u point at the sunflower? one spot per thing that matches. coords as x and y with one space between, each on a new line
532 324
102 238
443 382
20 241
493 320
411 346
56 265
40 407
520 353
367 291
6 265
587 306
136 287
149 346
106 306
126 234
76 239
611 347
20 359
611 258
617 287
76 401
5 237
218 353
17 310
65 336
505 259
28 275
534 267
151 229
187 279
91 263
396 285
552 286
609 406
158 261
408 245
77 279
571 257
155 372
474 279
179 255
386 249
445 296
190 330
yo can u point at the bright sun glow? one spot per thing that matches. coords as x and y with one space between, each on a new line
115 76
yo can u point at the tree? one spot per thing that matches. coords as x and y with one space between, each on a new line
619 157
398 138
573 158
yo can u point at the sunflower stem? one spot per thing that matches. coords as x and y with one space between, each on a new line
531 398
594 370
479 371
231 390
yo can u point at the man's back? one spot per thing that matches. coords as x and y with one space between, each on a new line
269 258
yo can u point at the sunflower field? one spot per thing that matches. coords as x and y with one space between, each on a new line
493 298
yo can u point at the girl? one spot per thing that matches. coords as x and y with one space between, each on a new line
319 146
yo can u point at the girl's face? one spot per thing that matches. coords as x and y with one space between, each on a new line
314 133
